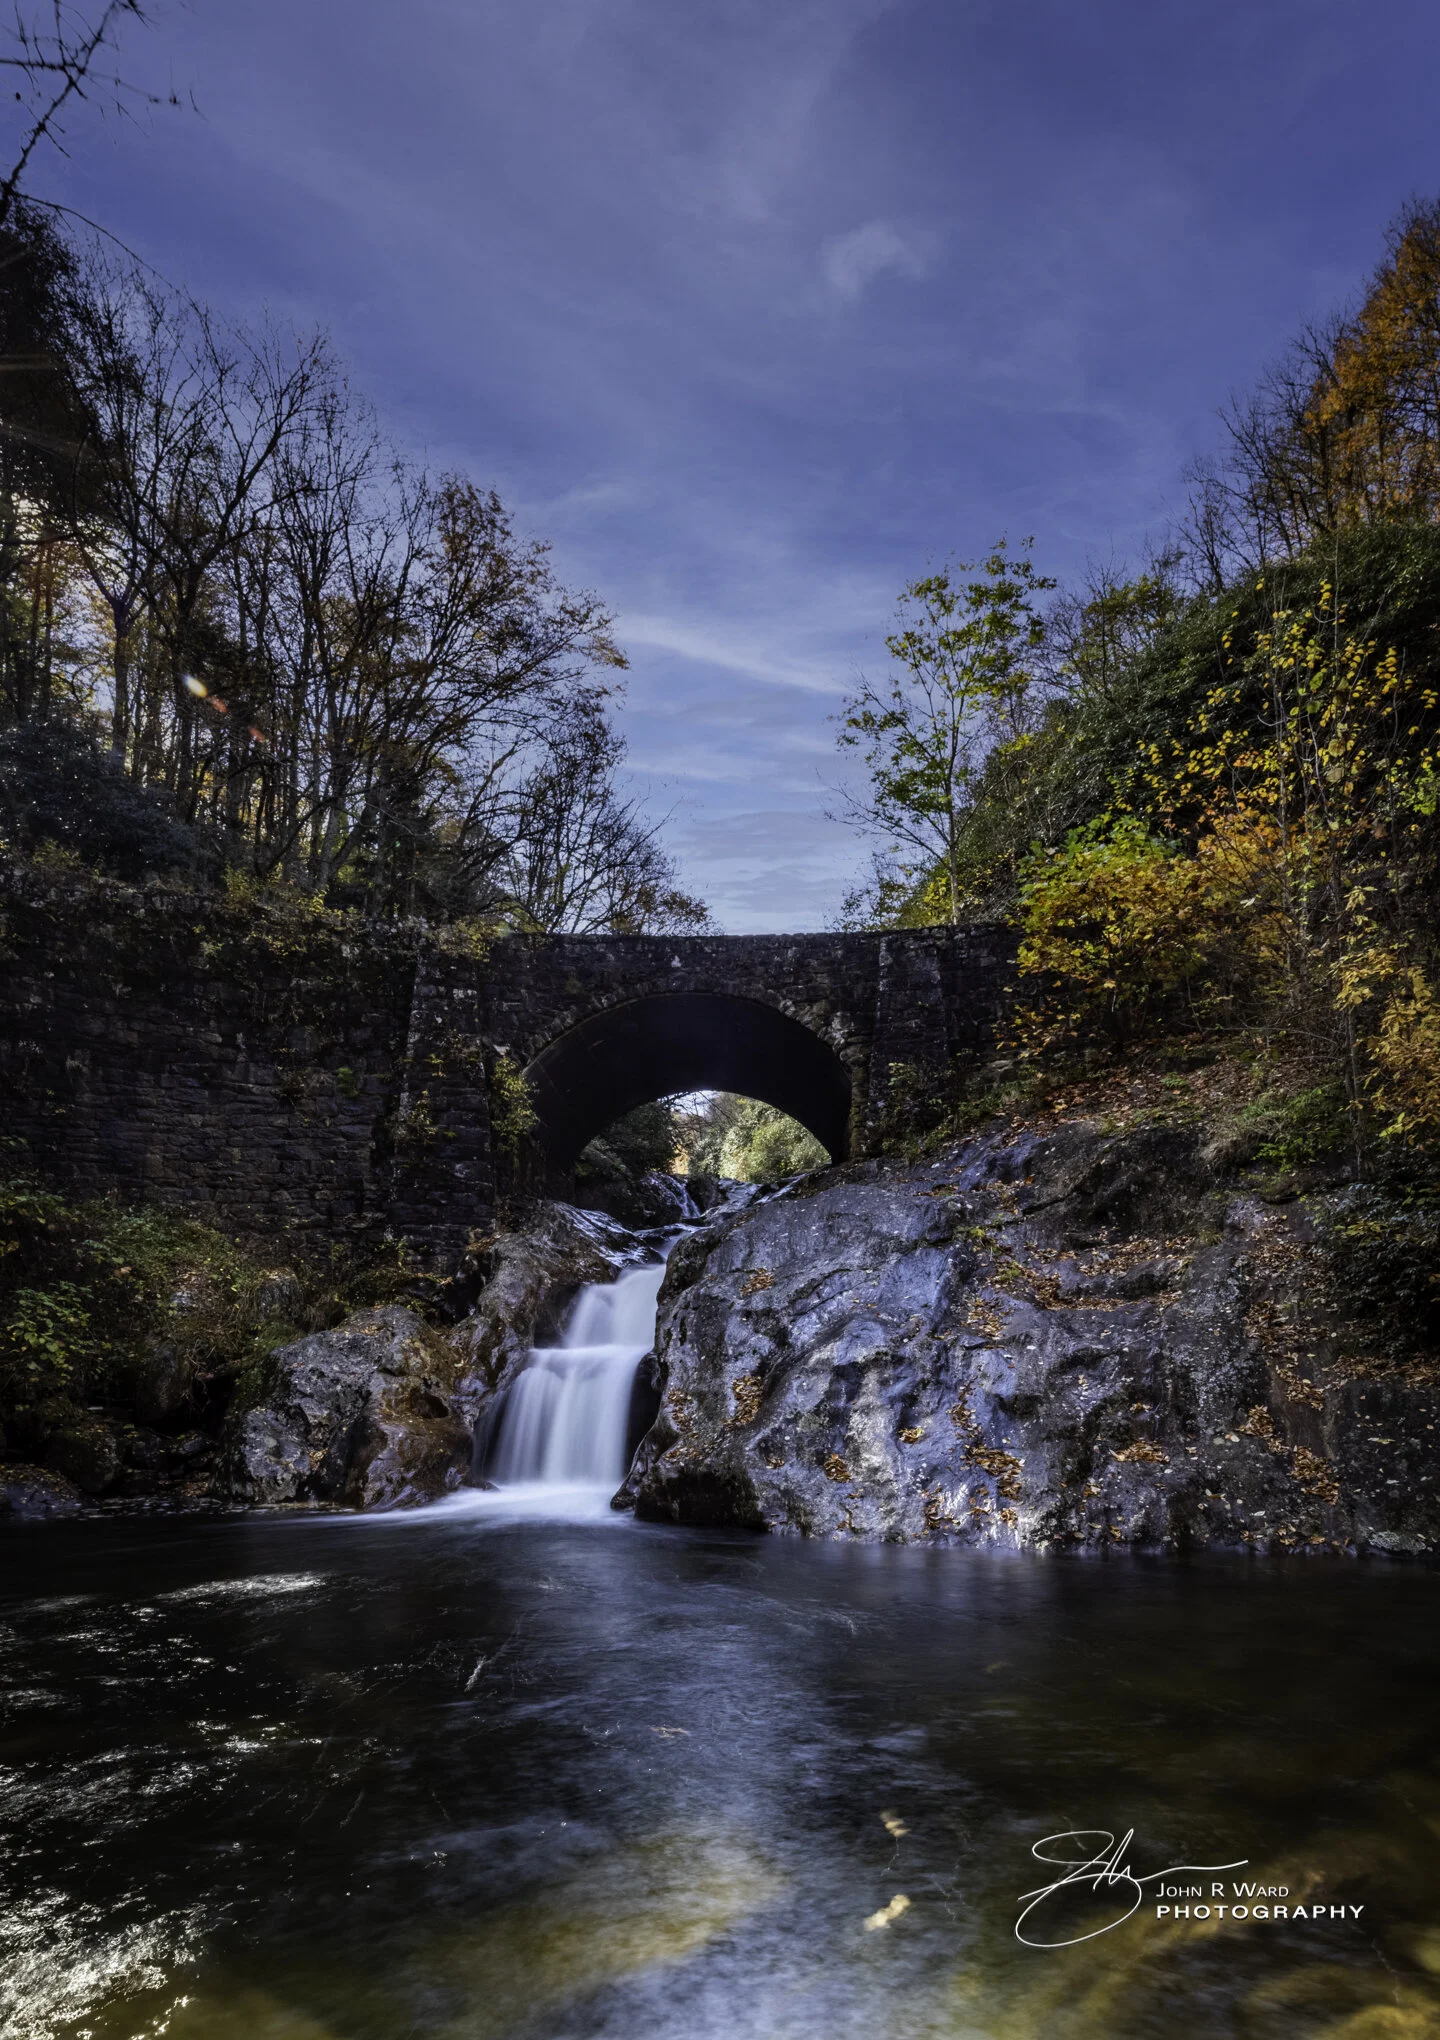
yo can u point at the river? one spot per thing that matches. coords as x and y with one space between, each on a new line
498 1769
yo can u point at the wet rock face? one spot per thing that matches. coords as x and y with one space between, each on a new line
654 1199
360 1415
1063 1340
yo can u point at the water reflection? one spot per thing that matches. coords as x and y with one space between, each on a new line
335 1781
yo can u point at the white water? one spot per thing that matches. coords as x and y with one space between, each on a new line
566 1416
559 1449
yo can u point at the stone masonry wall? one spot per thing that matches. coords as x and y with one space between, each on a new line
231 1057
925 999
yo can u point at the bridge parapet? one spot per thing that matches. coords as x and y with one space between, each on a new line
266 1071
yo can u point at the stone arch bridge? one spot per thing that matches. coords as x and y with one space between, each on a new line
814 1024
268 1070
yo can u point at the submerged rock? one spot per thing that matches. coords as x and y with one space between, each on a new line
37 1491
1060 1339
359 1415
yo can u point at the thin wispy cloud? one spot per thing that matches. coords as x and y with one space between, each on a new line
852 262
734 654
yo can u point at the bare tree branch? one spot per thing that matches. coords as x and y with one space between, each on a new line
56 51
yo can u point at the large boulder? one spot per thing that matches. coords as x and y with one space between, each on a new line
86 1450
360 1415
387 1412
1073 1338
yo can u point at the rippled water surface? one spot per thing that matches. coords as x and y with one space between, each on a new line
295 1779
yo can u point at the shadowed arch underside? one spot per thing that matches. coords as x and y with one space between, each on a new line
605 1066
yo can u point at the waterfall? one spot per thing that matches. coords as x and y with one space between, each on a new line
566 1416
557 1448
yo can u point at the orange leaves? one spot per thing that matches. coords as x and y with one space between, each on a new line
1375 404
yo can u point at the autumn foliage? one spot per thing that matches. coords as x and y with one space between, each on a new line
1218 817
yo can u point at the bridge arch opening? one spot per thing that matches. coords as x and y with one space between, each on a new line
671 1043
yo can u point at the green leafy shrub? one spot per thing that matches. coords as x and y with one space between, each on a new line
763 1144
48 1336
58 788
1307 1127
92 1294
747 1141
512 1110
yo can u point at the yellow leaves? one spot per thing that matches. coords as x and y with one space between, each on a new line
1123 922
1279 832
512 1109
1405 1049
749 1393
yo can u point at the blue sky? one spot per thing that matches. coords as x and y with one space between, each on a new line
757 307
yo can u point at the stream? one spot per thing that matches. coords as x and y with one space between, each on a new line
515 1765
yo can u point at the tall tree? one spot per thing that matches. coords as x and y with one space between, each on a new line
59 56
1344 430
547 839
341 671
963 686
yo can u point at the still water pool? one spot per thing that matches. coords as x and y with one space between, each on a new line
282 1778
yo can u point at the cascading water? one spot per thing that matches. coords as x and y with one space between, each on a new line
566 1417
558 1447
